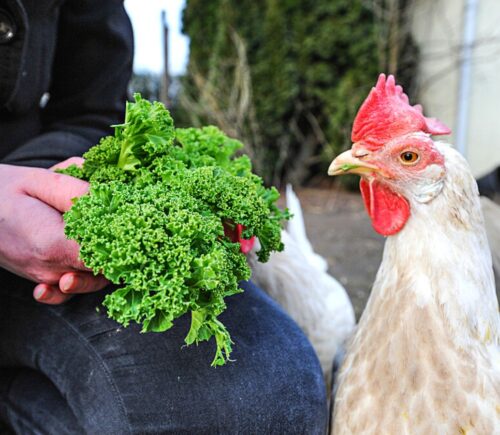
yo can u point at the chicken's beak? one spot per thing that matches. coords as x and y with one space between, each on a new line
346 163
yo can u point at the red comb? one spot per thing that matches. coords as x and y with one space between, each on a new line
386 113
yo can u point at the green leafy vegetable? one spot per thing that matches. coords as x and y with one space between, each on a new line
155 216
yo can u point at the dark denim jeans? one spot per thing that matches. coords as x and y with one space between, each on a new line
70 369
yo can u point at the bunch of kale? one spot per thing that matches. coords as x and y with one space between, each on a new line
155 217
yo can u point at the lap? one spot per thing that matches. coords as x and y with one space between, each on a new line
116 380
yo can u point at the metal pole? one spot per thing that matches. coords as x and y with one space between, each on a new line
469 33
165 81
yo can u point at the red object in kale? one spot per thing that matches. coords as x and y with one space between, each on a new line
234 232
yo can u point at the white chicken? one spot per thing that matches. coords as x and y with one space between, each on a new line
425 358
297 279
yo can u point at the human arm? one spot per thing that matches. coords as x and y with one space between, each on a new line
90 65
85 72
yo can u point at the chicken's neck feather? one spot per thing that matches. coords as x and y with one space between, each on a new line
441 258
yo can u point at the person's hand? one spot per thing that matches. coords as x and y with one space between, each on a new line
32 240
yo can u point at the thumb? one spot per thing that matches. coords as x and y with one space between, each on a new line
56 190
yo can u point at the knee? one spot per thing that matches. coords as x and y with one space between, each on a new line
298 398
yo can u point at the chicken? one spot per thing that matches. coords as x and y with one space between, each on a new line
297 231
297 279
425 357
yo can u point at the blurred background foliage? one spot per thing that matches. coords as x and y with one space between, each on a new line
286 77
147 83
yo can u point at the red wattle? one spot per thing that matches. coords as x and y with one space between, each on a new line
387 209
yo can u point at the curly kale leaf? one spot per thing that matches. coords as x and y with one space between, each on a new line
153 222
148 131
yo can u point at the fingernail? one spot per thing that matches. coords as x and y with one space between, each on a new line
67 283
40 292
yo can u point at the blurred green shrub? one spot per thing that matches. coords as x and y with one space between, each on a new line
284 76
147 84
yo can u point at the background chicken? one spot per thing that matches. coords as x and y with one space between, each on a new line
425 357
297 278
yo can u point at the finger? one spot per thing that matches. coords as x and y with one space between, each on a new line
49 294
78 161
56 190
68 254
80 282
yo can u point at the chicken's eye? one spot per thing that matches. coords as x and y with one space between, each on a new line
409 158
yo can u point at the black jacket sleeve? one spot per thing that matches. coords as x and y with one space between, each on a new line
91 68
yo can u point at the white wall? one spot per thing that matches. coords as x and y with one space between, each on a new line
438 29
484 127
